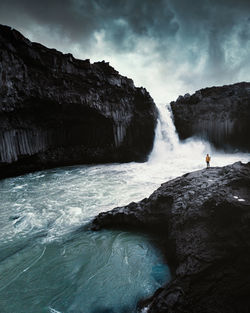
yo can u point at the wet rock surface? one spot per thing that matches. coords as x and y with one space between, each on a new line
57 110
220 115
203 218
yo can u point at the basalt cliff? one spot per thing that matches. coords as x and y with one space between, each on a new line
203 218
57 110
220 115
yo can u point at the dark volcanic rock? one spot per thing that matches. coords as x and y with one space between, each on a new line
204 218
220 115
57 110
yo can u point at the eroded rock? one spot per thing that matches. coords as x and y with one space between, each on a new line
220 115
57 110
204 218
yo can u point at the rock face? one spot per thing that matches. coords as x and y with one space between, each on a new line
57 110
204 217
220 115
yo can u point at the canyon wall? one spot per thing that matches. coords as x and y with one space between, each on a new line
57 110
220 115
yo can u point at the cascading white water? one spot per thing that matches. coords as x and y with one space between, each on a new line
187 155
167 144
166 133
49 263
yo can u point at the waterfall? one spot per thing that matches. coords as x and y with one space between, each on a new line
43 218
166 138
187 155
169 149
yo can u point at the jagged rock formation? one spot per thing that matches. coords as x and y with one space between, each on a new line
220 115
204 217
57 110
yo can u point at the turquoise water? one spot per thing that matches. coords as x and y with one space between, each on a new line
50 262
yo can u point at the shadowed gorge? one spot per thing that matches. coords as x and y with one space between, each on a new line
57 110
51 260
87 140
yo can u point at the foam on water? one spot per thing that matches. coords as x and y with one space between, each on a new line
48 263
176 157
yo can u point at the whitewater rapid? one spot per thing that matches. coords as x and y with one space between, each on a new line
51 262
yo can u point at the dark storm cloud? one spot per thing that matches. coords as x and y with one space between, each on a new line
124 20
62 16
214 33
121 20
214 23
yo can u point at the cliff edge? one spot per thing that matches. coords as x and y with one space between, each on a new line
203 218
57 110
220 115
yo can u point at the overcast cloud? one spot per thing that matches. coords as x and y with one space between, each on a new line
168 46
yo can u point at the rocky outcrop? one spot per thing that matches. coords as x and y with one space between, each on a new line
220 115
204 219
57 110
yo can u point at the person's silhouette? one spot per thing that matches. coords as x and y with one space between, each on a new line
208 158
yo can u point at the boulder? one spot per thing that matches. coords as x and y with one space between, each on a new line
203 218
220 115
57 110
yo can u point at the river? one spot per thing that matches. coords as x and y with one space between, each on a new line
51 262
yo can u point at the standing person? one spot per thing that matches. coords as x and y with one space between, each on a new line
208 158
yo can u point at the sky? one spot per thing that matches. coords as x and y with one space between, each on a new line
170 47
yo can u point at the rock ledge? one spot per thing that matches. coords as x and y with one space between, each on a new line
204 218
57 110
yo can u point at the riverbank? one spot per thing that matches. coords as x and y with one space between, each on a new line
204 218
